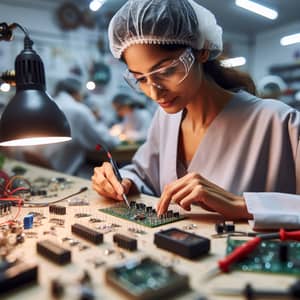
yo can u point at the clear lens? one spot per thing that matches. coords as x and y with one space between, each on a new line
161 78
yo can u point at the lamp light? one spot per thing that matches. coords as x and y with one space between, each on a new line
233 62
31 116
257 8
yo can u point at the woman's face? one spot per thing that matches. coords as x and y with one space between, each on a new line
170 95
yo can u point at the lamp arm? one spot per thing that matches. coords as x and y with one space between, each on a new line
9 77
6 33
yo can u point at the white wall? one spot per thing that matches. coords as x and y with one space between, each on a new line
240 46
60 50
269 52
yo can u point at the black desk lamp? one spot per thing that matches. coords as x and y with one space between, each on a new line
31 117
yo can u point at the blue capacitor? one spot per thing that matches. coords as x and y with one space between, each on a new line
28 221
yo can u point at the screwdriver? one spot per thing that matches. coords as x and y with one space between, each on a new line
115 168
242 251
293 292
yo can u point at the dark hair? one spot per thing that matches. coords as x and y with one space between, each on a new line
127 100
68 85
228 78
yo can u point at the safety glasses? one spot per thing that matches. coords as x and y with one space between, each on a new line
173 74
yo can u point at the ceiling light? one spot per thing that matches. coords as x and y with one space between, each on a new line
290 39
90 85
96 4
257 8
233 62
5 87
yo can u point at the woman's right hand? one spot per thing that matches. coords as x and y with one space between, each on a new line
105 182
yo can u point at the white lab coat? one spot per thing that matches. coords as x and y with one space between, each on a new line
86 132
136 124
251 146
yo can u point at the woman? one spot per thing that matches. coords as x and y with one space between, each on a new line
210 141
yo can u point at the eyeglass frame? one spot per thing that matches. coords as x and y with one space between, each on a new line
187 58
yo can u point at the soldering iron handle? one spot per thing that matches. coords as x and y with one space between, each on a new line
116 169
238 253
289 235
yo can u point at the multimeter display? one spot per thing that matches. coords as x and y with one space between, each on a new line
181 242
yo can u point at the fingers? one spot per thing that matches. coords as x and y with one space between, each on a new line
177 190
105 183
195 195
126 183
111 177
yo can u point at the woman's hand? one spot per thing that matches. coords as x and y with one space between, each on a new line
105 182
193 188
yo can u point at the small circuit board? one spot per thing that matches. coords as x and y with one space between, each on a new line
147 279
142 214
269 257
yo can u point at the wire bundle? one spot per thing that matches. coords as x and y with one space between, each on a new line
8 192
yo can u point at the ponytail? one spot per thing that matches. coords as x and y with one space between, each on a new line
229 78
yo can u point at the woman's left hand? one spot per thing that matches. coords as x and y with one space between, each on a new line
193 188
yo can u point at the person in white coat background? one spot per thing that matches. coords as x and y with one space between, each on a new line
135 119
86 132
211 139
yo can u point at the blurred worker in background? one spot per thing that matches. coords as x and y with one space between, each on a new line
86 132
135 119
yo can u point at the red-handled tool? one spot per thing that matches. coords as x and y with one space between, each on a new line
242 251
238 253
289 235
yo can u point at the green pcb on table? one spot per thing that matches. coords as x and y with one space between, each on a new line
269 257
141 214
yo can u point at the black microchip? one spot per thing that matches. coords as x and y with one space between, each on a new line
181 242
87 233
125 242
54 252
18 275
57 209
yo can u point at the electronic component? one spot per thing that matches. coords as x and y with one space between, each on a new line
268 257
87 233
141 214
219 227
28 221
57 209
19 170
292 292
54 252
82 215
17 275
224 227
78 201
125 242
5 207
35 192
57 289
146 279
181 242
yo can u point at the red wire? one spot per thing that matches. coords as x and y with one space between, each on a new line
18 211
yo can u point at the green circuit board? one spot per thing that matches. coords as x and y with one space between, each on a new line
147 279
141 214
269 257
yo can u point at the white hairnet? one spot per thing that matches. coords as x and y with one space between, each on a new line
164 22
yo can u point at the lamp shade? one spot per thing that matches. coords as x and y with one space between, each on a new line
32 117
